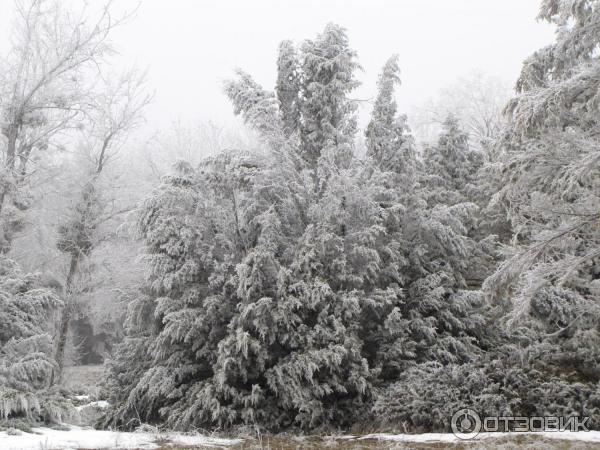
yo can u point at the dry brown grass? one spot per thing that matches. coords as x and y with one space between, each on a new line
516 442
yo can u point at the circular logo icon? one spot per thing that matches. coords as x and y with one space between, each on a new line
466 424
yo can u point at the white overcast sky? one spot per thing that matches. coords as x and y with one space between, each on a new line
190 46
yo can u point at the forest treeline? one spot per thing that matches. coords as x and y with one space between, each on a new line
307 285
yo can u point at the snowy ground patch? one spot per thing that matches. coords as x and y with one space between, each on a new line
84 438
101 404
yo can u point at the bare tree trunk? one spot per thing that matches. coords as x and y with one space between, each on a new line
65 320
67 311
11 149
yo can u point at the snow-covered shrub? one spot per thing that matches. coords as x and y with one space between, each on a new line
426 397
26 363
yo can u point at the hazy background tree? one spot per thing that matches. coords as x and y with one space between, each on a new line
116 109
43 87
476 101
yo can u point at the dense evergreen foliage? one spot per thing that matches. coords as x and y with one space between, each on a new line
26 362
286 290
308 288
549 280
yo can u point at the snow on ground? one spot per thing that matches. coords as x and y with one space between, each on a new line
102 404
84 438
81 438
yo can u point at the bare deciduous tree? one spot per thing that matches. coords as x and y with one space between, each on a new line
113 113
477 100
44 83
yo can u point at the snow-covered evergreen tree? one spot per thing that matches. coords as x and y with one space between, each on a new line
453 176
388 143
328 121
26 360
284 289
545 362
288 85
434 317
258 107
451 166
550 280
